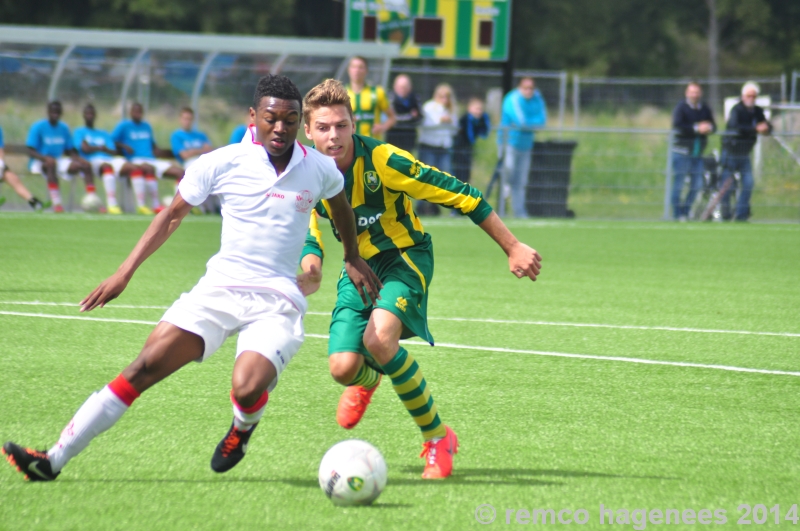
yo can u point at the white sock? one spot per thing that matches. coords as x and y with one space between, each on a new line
245 418
137 183
152 189
100 411
55 193
110 184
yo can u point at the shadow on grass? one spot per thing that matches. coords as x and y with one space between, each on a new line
526 476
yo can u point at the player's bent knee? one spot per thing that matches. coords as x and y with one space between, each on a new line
252 375
344 366
382 349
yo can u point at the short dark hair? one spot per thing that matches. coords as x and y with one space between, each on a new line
359 58
276 86
89 105
187 109
52 103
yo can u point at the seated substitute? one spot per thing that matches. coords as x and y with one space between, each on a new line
188 142
53 154
134 139
97 146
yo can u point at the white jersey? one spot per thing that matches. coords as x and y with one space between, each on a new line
264 216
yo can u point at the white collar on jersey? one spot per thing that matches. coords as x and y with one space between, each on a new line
297 155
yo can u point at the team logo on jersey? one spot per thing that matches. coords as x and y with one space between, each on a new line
415 169
371 181
305 200
402 304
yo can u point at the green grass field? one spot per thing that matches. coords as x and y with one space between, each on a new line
538 430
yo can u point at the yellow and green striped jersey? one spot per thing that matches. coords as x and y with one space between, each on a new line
367 107
380 186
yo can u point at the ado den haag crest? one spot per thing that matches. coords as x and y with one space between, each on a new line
371 181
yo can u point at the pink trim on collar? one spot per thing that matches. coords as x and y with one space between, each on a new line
305 153
253 135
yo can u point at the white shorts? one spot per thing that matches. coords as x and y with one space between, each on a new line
159 165
116 164
62 167
267 323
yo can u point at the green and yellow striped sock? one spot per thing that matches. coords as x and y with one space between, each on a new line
367 377
410 386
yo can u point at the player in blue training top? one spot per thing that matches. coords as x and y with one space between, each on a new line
13 181
187 142
97 146
53 154
239 131
134 138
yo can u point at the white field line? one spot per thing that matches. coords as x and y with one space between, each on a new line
467 347
490 321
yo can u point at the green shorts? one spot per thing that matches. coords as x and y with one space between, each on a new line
406 277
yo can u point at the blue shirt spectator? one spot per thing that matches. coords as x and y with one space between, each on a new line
139 136
182 140
93 137
48 139
237 134
1 138
521 110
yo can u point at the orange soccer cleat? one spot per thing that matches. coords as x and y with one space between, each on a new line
439 455
353 404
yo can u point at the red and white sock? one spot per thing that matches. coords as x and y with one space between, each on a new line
110 184
100 411
152 188
245 417
55 193
91 189
137 183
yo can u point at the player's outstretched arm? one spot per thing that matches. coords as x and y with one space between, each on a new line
361 275
523 261
164 224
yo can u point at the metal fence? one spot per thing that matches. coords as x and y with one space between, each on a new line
793 96
596 95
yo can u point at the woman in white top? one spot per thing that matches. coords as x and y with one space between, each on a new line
436 136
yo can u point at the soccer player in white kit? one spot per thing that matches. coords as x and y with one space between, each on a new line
267 189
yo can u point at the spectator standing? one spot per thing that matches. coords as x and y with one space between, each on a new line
438 124
13 181
238 132
134 138
692 121
368 102
472 125
745 122
436 137
523 109
53 154
408 114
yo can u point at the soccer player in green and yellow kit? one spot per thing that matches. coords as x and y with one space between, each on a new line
380 182
367 101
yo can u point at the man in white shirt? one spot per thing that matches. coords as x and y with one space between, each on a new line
267 189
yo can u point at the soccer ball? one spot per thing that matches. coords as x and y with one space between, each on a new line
352 472
166 200
91 203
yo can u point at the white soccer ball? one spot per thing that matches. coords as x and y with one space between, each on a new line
352 472
91 203
166 200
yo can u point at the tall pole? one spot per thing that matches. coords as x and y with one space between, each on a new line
508 66
713 54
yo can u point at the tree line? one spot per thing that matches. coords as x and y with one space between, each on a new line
615 37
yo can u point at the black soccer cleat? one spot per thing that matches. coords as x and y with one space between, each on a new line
33 463
231 449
